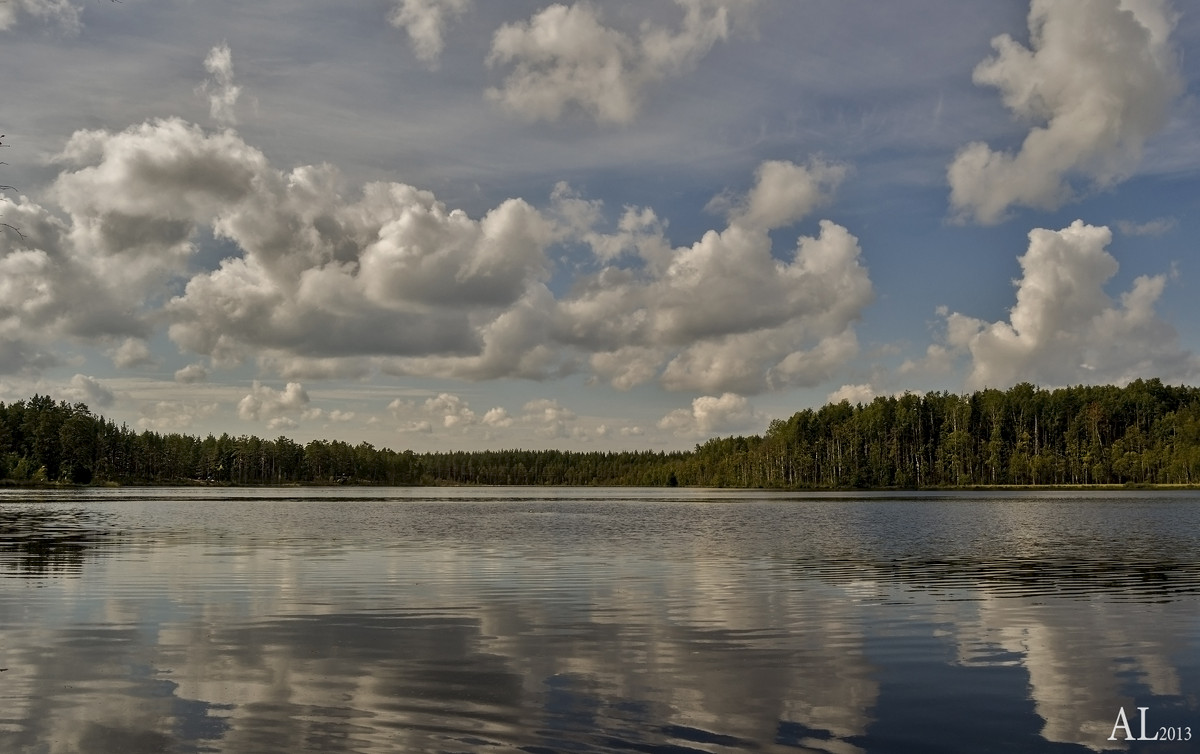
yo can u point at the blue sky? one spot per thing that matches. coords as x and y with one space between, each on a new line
455 224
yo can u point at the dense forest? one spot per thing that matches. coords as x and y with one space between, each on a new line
1144 433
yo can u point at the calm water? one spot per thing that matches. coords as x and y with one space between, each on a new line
552 620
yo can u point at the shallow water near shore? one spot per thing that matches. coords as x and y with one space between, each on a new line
597 620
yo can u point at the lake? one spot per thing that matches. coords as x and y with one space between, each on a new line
597 620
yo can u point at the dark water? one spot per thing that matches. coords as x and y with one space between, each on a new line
534 620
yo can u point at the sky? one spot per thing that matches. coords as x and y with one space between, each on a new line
451 224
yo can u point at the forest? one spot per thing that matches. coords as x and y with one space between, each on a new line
1145 433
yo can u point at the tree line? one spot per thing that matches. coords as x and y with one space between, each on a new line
1143 433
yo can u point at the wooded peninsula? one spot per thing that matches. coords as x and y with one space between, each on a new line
1145 433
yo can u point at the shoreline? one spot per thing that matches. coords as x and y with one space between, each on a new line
13 484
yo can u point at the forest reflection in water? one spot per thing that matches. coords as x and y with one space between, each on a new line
593 620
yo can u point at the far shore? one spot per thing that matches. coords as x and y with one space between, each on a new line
13 484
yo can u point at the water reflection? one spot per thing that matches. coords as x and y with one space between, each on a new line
602 625
38 541
362 681
1080 660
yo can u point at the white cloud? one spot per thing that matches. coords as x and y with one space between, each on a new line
626 368
639 231
291 366
131 353
89 390
853 393
126 186
785 192
191 374
550 419
173 416
455 412
1152 228
326 287
393 274
425 22
263 403
62 13
48 290
421 426
812 366
937 360
725 314
1097 81
565 57
222 92
710 415
1065 329
447 411
497 417
94 268
337 416
132 201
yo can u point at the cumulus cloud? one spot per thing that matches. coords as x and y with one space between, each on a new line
425 22
565 57
395 273
725 314
93 268
455 412
550 419
853 393
173 416
515 343
497 417
275 407
332 283
1097 80
421 426
1064 328
628 367
222 92
50 290
141 191
336 416
785 192
937 360
639 231
131 353
133 200
191 374
321 280
89 390
447 411
711 415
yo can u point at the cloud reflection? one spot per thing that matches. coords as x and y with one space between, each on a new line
537 626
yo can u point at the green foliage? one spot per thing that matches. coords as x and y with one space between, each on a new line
1144 433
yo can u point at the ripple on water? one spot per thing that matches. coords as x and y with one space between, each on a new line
460 620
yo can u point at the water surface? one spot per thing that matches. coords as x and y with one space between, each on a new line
585 620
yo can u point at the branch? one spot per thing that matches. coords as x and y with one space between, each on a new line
5 187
